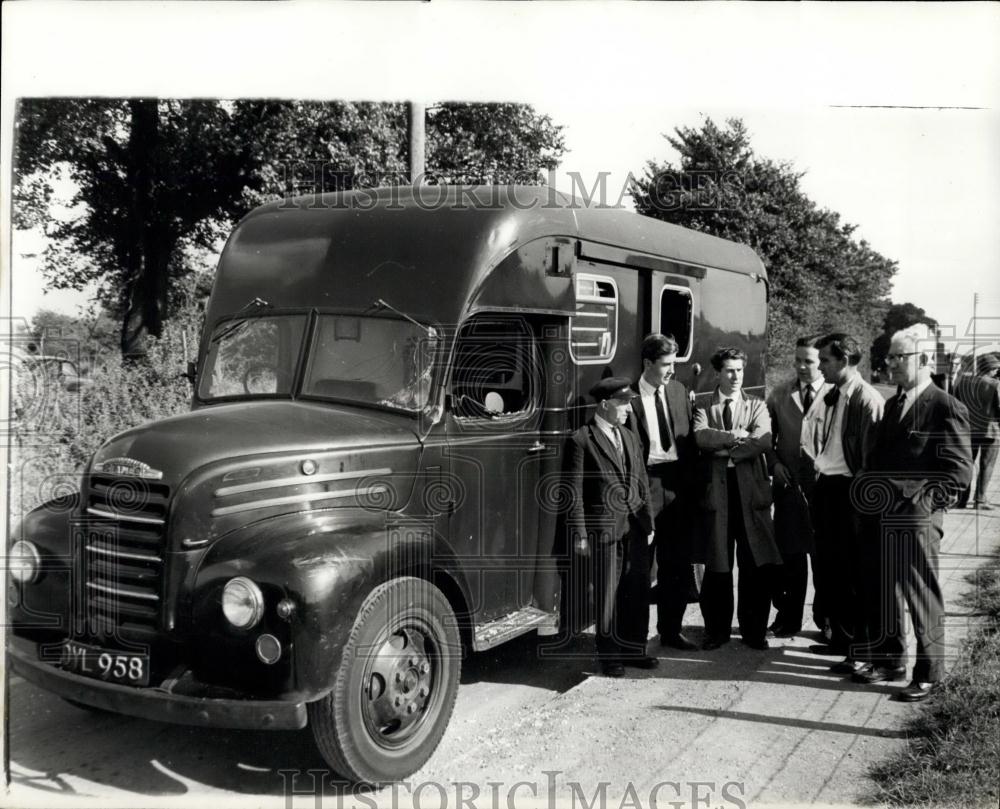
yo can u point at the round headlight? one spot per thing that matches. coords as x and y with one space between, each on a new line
242 602
24 561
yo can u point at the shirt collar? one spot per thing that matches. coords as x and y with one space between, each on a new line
649 390
603 423
816 385
719 398
912 394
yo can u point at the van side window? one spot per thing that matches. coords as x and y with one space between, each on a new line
677 317
594 326
495 369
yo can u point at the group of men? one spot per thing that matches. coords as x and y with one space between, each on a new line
825 468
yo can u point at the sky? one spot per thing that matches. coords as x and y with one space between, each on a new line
889 109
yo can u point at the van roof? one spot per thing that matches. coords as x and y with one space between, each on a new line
538 211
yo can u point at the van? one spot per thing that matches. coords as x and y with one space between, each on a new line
369 482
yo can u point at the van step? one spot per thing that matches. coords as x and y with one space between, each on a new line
516 623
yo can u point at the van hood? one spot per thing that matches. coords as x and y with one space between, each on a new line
179 445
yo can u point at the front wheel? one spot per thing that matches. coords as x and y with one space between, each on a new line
396 685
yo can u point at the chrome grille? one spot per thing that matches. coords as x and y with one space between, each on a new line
123 553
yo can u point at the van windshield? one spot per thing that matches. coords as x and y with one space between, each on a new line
382 361
253 357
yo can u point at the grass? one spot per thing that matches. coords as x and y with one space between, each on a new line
952 758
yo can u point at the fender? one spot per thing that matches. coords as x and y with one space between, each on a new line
326 563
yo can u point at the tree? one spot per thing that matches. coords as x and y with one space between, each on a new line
821 278
155 182
898 316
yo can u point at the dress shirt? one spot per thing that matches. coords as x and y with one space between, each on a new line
910 396
612 432
831 459
816 386
649 393
720 399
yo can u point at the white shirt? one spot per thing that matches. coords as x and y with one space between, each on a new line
910 396
649 393
831 459
721 399
817 386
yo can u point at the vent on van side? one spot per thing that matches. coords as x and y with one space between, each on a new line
594 326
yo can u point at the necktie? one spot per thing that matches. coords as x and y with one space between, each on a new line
727 414
831 399
618 442
661 420
807 398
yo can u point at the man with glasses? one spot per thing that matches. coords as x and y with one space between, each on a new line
919 463
849 414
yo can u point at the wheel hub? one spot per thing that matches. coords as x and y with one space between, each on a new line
400 684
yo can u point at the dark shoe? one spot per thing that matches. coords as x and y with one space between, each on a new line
870 675
777 630
827 649
848 666
980 506
756 643
612 670
713 643
677 641
915 692
645 662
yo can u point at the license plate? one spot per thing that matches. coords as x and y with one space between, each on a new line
112 666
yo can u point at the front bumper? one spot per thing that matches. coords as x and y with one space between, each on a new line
155 702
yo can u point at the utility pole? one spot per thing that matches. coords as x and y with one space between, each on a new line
416 128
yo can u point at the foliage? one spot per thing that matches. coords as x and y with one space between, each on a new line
821 278
157 182
899 316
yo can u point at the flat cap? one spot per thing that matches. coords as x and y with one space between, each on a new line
613 387
987 363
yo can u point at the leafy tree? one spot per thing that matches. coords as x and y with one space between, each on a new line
156 183
821 278
899 316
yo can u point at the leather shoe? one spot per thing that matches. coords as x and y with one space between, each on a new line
645 662
848 666
916 691
612 670
777 630
711 644
757 643
870 675
677 641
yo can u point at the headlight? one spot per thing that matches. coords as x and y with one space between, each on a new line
242 602
25 562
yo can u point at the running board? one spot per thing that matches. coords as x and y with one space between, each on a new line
517 623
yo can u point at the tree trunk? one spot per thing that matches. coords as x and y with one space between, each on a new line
148 250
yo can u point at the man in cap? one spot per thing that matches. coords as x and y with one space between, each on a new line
611 521
981 395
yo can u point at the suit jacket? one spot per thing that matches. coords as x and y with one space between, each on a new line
608 498
925 457
796 442
712 439
981 395
679 411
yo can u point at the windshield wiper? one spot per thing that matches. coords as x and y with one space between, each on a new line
256 303
380 303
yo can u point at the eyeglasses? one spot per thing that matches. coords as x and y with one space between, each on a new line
900 357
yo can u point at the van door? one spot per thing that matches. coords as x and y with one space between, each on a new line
494 456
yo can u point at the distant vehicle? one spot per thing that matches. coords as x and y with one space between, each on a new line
370 477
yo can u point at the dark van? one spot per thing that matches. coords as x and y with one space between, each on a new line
369 480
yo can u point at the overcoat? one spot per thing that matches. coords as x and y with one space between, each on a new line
796 442
712 438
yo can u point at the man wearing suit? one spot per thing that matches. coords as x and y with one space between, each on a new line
981 396
846 422
792 407
611 521
920 462
661 416
733 434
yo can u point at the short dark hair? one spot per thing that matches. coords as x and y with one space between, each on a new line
728 353
841 346
809 342
656 345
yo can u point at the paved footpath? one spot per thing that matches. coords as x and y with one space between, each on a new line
708 729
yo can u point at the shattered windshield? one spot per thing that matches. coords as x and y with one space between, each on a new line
381 361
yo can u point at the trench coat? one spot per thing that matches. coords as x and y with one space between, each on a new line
712 439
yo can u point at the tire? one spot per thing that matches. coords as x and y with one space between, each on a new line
395 689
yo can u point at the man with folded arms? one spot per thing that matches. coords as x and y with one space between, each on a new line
920 462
